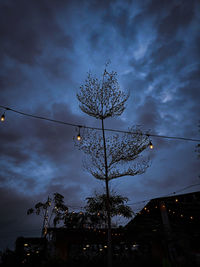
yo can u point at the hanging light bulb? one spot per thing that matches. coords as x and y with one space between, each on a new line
3 117
79 135
150 145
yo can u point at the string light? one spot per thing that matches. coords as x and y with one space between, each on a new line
79 135
3 117
171 212
170 194
151 145
146 200
99 129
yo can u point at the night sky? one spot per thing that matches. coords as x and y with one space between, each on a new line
46 49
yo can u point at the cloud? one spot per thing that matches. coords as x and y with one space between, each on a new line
27 29
148 113
180 16
47 47
14 221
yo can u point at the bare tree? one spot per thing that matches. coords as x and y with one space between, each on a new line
111 157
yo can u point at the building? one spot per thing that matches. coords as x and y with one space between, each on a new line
166 230
30 249
69 243
169 227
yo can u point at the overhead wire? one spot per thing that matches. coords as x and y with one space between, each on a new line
96 128
170 194
145 200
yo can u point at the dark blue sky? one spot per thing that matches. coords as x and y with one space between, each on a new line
46 50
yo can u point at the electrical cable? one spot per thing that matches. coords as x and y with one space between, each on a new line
96 128
170 194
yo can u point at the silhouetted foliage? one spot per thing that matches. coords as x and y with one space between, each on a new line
103 100
198 147
123 154
77 220
112 156
53 210
97 206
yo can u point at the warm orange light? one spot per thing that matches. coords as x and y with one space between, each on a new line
176 199
3 117
78 137
79 134
45 230
163 207
151 145
191 217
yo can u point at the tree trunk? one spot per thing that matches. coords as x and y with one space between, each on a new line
107 200
44 222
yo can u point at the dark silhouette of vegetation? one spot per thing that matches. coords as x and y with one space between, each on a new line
109 157
96 206
53 211
95 214
198 147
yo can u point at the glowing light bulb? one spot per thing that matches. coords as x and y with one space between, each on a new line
3 117
79 134
151 145
78 137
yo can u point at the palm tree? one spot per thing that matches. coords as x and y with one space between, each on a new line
96 207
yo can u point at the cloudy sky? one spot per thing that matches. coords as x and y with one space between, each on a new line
46 49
